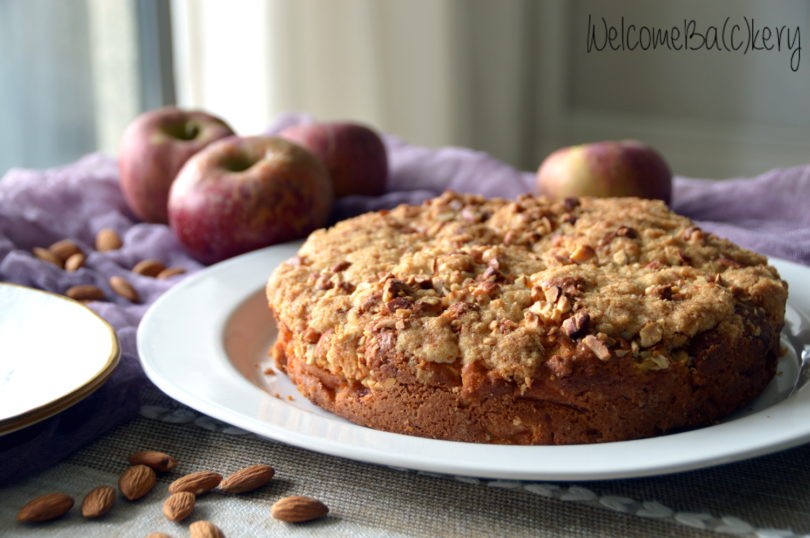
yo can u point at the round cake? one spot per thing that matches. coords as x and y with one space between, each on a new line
528 321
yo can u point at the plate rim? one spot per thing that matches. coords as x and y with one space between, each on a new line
368 454
60 403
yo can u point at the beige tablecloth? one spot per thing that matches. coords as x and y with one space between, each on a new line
764 497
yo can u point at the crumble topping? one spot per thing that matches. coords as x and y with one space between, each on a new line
514 286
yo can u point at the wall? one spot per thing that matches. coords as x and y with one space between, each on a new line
713 113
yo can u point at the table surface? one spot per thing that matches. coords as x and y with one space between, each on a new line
763 497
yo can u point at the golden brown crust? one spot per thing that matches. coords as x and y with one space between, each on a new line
527 322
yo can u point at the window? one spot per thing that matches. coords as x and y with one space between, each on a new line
73 74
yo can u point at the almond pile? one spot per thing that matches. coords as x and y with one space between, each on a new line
141 477
68 255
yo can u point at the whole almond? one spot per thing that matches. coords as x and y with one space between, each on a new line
298 508
204 529
158 461
158 535
46 507
108 239
247 479
148 268
47 256
178 506
85 292
75 262
196 483
170 272
64 249
122 287
98 502
137 481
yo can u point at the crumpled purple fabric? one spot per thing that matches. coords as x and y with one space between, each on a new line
767 214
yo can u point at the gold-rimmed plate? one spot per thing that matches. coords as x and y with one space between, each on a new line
54 352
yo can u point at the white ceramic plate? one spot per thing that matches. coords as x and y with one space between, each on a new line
54 352
205 344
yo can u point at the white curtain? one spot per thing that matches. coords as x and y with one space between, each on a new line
435 72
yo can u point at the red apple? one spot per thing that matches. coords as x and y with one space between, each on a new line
354 155
240 194
154 148
611 168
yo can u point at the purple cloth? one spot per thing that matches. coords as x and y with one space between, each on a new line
767 214
75 201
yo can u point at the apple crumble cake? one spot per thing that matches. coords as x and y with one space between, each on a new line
527 322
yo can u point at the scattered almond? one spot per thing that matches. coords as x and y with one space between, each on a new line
85 292
64 249
137 481
178 506
148 268
158 535
108 239
298 508
204 529
46 507
98 502
196 483
170 272
75 262
247 479
47 256
122 287
158 461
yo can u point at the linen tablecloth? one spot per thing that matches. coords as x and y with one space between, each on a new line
765 496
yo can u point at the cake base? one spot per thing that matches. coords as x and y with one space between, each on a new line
591 405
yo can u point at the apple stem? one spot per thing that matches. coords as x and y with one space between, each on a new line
192 130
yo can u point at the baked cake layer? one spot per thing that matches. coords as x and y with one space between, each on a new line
528 322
